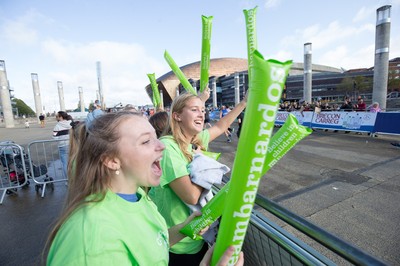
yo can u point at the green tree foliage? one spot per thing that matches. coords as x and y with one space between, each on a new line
363 84
346 85
78 108
23 108
355 84
393 82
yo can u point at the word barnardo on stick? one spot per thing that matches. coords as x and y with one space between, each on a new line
268 113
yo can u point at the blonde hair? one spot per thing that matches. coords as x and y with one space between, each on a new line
175 129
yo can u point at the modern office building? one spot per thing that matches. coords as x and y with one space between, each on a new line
328 83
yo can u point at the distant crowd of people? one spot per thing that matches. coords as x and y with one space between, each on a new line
323 106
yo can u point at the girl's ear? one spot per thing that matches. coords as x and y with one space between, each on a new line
112 163
176 116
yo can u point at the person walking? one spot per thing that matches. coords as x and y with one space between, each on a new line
224 111
61 133
41 119
240 123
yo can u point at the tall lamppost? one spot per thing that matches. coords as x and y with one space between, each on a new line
81 103
307 90
61 95
36 95
381 65
5 97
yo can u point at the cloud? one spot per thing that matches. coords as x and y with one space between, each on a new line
272 3
124 67
19 31
335 32
334 44
364 13
343 56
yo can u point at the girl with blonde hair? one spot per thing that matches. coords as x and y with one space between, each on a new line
183 135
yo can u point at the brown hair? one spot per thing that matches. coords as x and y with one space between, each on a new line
159 121
89 147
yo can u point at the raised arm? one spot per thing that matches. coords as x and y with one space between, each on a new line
223 124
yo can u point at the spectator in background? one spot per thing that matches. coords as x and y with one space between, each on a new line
293 107
130 107
325 107
360 106
41 119
224 111
346 106
159 121
374 108
95 113
240 122
207 118
61 132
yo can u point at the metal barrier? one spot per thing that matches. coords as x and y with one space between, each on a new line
267 243
13 174
46 165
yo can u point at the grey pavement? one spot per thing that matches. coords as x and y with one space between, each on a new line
347 184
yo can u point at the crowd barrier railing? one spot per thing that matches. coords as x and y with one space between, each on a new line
338 246
46 164
382 122
267 243
13 174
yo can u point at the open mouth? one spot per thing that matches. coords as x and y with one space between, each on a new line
198 122
156 167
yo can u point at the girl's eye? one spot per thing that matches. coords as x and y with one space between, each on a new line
146 142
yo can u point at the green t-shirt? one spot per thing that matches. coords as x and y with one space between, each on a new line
112 232
174 165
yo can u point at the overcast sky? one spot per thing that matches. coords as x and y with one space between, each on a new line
63 40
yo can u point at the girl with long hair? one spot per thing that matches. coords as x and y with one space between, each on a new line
108 218
183 135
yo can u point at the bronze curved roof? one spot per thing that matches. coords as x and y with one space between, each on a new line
168 83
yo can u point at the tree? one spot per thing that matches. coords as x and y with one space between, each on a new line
355 85
78 108
346 85
393 80
23 108
363 84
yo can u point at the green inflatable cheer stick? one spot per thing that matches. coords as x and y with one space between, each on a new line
209 214
178 72
264 96
156 93
205 51
250 17
282 141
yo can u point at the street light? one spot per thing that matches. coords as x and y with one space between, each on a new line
34 76
2 65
